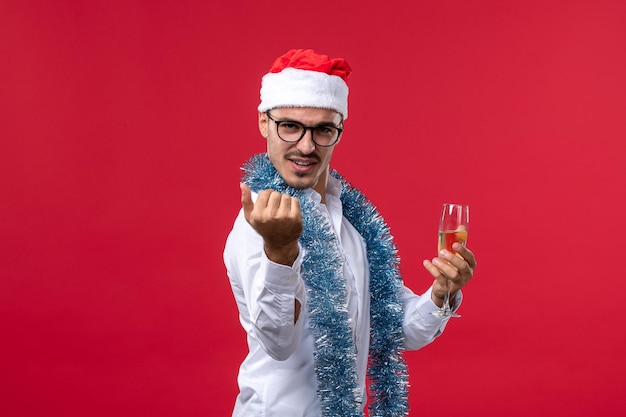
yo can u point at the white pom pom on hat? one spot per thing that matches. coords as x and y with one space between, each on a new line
305 78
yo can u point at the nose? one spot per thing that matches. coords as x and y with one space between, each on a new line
306 144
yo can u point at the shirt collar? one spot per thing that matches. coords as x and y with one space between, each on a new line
333 190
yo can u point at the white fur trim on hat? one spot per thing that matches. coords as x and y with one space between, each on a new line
294 87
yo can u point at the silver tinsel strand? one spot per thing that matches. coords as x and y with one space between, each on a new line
322 272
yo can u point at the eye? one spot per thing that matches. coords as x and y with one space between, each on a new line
290 126
325 130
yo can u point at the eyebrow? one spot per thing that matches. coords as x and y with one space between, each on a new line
331 124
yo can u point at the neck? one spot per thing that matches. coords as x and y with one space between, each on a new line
321 185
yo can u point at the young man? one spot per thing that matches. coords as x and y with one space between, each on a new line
313 266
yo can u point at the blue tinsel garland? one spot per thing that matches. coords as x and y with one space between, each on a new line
322 272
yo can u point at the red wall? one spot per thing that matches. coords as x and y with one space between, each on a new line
122 128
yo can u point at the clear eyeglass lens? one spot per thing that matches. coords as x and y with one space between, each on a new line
292 132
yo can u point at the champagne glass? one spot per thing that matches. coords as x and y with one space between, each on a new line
453 227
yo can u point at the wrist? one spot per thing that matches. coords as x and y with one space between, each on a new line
285 255
436 299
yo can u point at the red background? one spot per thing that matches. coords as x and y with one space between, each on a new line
123 125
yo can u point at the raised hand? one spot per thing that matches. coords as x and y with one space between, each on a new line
278 219
450 269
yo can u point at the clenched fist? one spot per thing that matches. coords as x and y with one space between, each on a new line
278 219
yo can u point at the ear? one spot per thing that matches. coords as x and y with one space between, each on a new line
263 124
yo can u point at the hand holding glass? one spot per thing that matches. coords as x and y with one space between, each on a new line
453 227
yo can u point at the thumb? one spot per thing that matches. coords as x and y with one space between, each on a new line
246 200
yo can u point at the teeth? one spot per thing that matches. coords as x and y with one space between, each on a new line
302 163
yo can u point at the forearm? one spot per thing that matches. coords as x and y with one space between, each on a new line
420 326
269 295
275 311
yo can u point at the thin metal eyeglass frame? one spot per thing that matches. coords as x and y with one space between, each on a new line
304 129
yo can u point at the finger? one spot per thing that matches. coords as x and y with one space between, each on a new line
437 273
447 269
274 201
440 284
284 208
466 254
455 267
262 199
296 212
246 200
452 259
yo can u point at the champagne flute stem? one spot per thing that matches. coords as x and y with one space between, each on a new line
446 301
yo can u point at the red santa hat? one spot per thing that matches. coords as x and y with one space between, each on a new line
305 78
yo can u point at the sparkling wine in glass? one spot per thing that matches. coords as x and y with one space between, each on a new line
453 227
448 237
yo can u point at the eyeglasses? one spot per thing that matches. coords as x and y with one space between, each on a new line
289 131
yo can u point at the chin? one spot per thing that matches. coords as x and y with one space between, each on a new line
301 185
300 182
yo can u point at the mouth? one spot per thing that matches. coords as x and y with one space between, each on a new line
302 164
